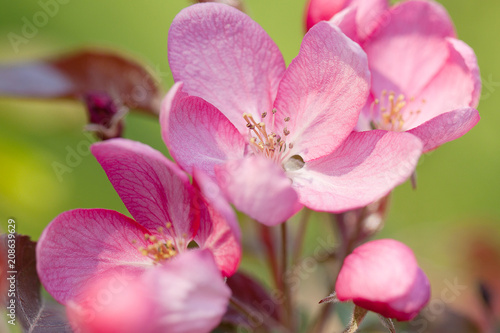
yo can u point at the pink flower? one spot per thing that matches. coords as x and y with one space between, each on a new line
424 80
383 276
81 247
275 138
185 295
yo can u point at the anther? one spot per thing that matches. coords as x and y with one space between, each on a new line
287 119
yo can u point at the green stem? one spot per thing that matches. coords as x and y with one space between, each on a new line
300 236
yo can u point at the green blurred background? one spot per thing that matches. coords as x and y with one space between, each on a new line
458 185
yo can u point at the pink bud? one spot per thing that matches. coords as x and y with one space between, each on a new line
323 10
383 276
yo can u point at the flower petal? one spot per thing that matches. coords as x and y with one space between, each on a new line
456 85
219 230
446 127
189 292
80 245
226 58
323 10
383 276
112 305
414 31
197 134
154 189
184 295
367 166
368 15
258 188
323 91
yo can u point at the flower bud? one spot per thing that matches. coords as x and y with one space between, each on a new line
383 276
105 118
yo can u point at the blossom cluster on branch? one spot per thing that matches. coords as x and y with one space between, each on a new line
372 88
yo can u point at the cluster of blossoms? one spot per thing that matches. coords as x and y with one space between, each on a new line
369 91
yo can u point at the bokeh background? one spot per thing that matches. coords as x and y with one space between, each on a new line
452 221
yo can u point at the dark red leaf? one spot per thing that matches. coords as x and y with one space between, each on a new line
263 308
77 74
35 314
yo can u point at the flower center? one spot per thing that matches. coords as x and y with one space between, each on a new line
158 249
391 110
268 144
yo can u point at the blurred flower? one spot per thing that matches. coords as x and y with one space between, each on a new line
424 80
383 276
80 247
185 295
275 138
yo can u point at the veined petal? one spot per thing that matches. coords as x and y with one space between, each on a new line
80 245
226 58
197 134
259 188
414 31
323 91
189 293
154 190
456 85
346 21
367 166
219 230
446 127
368 15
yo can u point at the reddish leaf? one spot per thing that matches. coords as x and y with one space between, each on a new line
77 74
35 314
263 309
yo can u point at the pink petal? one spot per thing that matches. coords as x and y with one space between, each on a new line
197 134
80 245
456 85
258 188
383 276
367 166
189 293
446 127
184 295
369 15
346 21
323 10
109 305
414 31
219 230
154 190
226 58
323 91
470 60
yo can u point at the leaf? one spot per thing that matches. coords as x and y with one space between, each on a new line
263 310
77 74
35 314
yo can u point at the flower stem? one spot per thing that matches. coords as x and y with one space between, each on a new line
267 238
357 317
288 317
300 236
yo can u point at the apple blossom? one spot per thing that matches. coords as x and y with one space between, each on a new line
276 138
424 80
82 248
